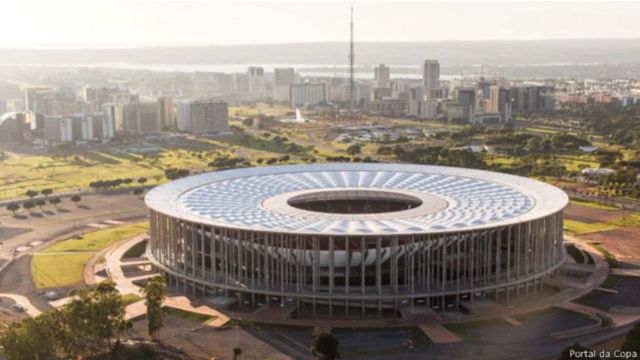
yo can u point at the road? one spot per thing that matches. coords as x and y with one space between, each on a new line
51 225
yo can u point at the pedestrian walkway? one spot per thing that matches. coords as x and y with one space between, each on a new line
626 272
438 333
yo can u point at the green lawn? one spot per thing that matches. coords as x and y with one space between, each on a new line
136 250
201 318
609 257
26 172
460 329
128 299
102 239
593 205
579 227
50 271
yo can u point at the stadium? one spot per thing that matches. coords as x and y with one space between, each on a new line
356 238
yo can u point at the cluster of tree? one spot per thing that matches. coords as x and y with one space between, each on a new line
438 155
536 165
324 346
281 159
356 159
621 183
620 125
226 162
30 204
175 173
114 183
93 322
91 325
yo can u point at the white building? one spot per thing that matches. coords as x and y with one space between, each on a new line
203 117
256 80
307 94
382 76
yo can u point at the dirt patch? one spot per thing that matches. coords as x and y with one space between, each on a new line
204 342
591 215
624 243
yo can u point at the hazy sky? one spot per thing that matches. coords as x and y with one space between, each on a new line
110 23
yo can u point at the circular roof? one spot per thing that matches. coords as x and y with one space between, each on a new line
452 199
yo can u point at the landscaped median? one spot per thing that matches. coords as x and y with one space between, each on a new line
62 264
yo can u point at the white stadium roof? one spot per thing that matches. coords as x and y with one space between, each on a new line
453 199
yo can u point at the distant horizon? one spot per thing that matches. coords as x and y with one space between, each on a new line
78 24
204 45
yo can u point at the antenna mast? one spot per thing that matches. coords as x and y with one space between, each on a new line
351 70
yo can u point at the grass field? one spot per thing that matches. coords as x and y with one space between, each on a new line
58 266
98 240
201 318
51 271
128 299
578 227
21 173
593 205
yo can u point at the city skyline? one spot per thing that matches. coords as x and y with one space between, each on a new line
131 23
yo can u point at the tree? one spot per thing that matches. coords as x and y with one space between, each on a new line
13 207
55 201
28 339
154 291
142 180
632 342
28 205
325 347
40 203
354 149
138 191
31 193
76 199
46 192
236 353
91 323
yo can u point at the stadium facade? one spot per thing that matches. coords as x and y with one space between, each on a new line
357 238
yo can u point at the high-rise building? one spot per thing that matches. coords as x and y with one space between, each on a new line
430 76
82 127
58 129
141 117
467 101
103 126
307 94
499 102
382 76
30 95
284 76
256 80
203 117
167 112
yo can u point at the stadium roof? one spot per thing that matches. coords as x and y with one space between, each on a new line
453 199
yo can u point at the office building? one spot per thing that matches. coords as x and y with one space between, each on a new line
307 94
382 76
203 117
430 76
141 117
58 129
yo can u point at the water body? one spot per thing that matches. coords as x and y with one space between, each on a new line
335 70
